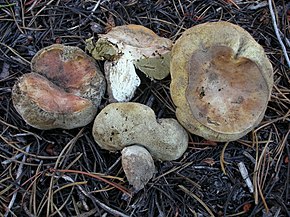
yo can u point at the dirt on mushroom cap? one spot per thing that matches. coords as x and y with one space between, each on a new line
221 81
122 124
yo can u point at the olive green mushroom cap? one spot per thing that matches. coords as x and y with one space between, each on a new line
119 125
221 81
63 90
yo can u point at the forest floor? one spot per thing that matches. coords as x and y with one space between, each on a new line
55 172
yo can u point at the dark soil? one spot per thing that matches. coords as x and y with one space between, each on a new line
56 172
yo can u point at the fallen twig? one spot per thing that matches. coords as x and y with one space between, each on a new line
222 160
18 174
102 205
121 188
185 190
277 32
245 175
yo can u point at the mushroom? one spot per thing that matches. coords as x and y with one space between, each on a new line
126 47
221 81
63 90
120 125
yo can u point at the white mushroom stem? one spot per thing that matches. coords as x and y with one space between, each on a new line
138 166
122 79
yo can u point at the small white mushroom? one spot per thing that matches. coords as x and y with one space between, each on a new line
126 47
138 166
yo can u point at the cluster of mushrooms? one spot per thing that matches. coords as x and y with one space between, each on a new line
221 82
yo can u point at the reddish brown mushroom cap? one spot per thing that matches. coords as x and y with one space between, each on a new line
63 91
221 81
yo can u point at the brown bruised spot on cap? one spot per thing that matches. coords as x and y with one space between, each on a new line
50 97
66 66
225 92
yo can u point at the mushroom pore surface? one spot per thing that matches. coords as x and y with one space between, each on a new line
221 81
122 124
63 91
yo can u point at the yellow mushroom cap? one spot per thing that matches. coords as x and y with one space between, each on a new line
221 81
